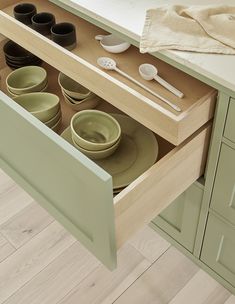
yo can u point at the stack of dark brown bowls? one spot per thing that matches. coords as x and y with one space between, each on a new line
17 57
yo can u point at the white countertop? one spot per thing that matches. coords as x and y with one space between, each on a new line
127 17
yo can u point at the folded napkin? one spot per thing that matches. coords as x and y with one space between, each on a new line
207 29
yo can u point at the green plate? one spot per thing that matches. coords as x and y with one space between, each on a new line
138 151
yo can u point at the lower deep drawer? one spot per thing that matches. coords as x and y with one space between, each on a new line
76 191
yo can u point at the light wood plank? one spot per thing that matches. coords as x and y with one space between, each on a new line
5 248
231 300
149 243
26 224
12 198
103 286
30 259
201 289
57 279
162 281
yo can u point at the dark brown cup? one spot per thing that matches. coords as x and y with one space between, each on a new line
24 12
42 23
64 34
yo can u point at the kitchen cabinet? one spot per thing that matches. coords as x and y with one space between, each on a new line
76 191
219 247
229 131
223 200
180 219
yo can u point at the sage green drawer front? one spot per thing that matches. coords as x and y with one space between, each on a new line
60 178
180 219
229 131
218 250
223 197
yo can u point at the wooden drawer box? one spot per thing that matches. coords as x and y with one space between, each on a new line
76 191
80 64
229 131
218 251
223 200
180 219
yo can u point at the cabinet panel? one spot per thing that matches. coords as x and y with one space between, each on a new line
180 219
223 197
218 250
229 131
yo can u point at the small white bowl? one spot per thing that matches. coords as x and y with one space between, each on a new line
112 43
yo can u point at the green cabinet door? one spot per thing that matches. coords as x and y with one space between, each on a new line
223 197
73 189
229 131
180 219
218 250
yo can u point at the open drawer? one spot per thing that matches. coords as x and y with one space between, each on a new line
80 64
76 191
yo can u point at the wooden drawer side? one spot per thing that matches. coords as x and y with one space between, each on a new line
60 178
153 191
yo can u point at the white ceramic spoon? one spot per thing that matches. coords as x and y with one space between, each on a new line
149 72
109 64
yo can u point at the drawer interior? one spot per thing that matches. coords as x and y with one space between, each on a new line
67 111
81 64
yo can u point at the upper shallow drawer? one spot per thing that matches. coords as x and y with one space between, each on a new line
80 64
229 131
76 191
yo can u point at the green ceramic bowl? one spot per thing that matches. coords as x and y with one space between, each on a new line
50 123
56 127
72 88
26 80
42 90
98 154
88 103
74 100
44 106
94 130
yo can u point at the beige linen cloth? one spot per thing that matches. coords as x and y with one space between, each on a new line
207 29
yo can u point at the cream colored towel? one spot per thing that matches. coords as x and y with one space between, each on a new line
207 29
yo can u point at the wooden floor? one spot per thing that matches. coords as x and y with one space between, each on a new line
40 263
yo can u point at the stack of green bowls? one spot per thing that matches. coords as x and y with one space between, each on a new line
44 106
27 79
75 95
95 133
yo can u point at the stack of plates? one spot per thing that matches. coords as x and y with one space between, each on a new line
138 151
17 57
